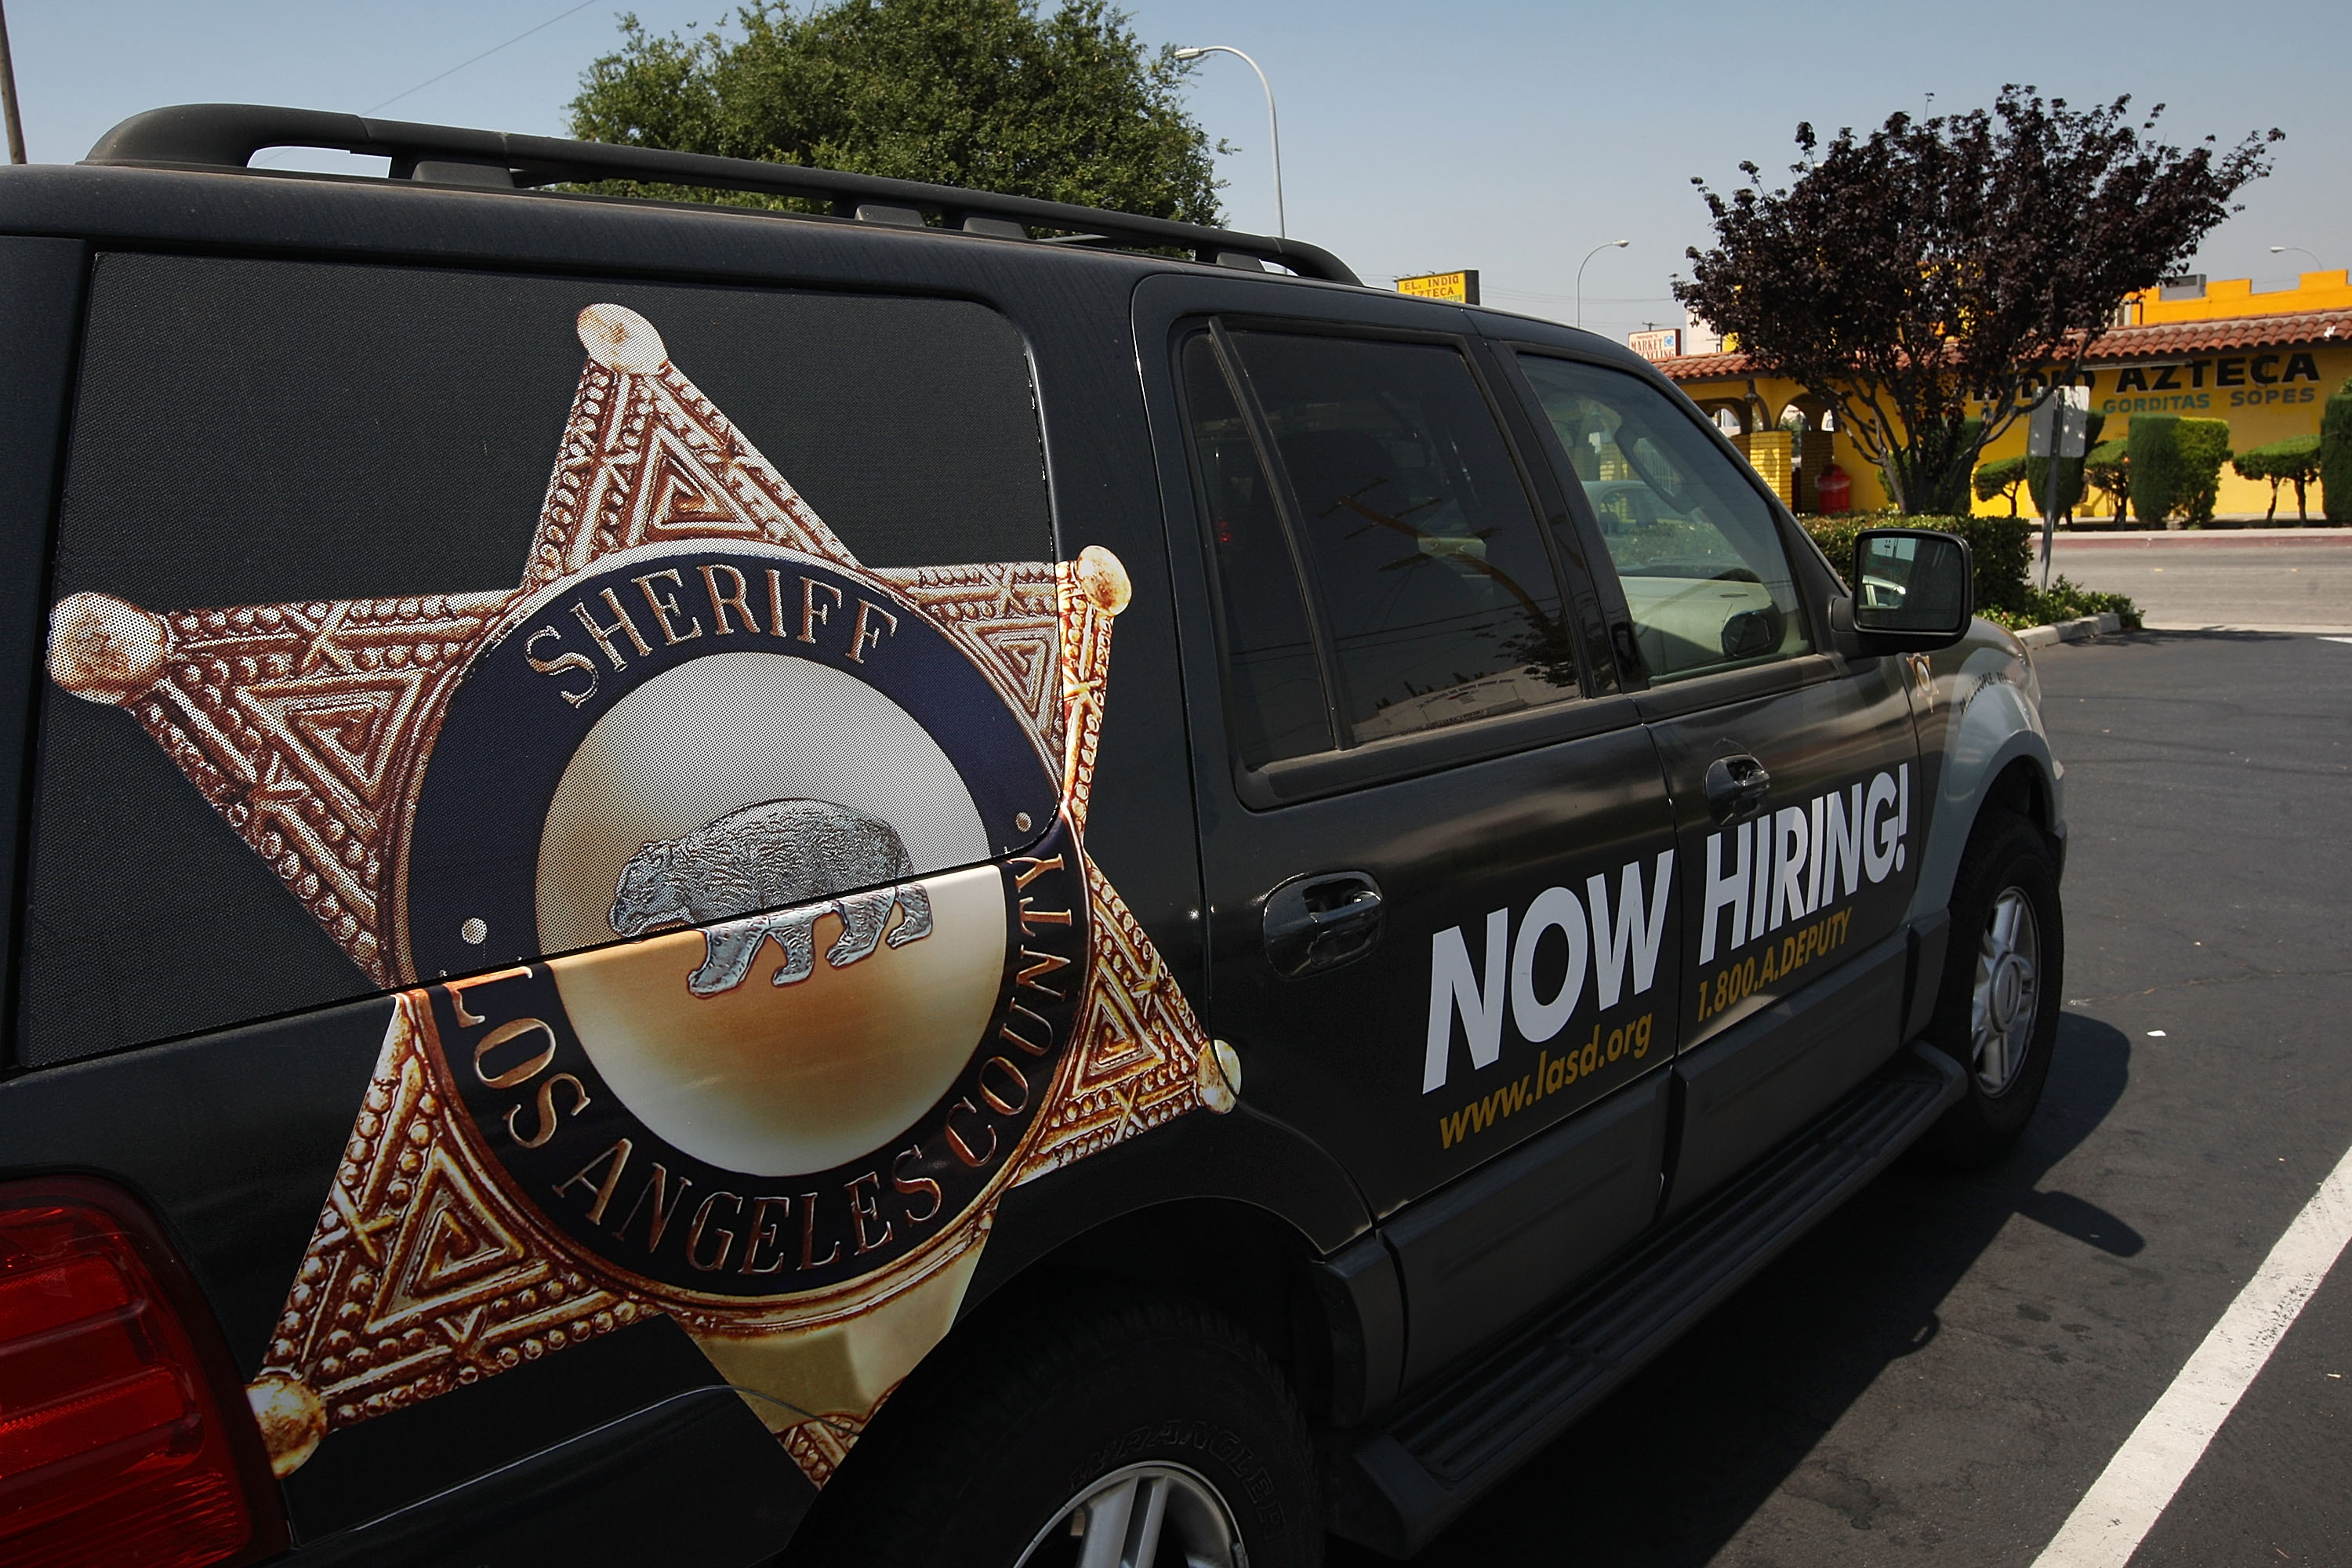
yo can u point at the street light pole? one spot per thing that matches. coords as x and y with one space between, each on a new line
1273 125
1612 245
2282 249
8 97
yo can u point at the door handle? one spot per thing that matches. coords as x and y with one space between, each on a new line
1736 788
1321 922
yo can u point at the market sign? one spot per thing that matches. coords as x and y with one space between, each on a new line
1659 342
1461 287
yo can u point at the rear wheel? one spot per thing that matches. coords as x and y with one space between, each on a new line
1997 1011
1126 1433
1141 1514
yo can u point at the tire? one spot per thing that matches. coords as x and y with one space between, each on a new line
1046 1423
2008 934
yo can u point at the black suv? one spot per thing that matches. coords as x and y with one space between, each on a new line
608 959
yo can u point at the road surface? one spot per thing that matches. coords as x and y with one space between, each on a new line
2221 579
1940 1372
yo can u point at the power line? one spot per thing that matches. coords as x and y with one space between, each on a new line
485 54
1589 298
461 65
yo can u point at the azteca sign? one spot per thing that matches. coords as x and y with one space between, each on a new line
2249 381
2187 385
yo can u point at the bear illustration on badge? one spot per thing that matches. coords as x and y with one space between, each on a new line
735 902
775 853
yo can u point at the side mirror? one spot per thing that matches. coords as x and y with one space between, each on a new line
1914 590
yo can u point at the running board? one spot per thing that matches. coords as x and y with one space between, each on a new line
1432 1457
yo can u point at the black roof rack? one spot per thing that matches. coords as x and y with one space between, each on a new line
228 135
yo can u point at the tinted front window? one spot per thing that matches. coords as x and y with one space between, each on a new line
1706 579
1435 587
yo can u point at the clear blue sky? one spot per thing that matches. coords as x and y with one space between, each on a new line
1507 136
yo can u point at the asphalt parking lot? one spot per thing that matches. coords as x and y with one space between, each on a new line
1939 1371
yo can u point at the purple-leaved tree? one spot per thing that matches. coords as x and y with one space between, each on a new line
1933 264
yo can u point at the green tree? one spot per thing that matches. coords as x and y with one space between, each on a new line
2335 455
2108 470
2159 474
2000 478
1928 265
993 95
2204 448
2294 461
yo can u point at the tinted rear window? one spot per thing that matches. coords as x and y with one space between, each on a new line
1436 589
262 433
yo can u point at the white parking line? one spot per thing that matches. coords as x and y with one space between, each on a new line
2299 628
2336 639
2138 1483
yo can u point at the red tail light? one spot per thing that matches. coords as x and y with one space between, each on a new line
124 1439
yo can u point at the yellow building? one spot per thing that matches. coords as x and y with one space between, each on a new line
2265 362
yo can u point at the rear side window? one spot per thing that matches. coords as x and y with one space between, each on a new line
1275 681
1706 581
1430 591
260 432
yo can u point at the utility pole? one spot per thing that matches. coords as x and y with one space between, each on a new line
9 96
1273 125
1604 244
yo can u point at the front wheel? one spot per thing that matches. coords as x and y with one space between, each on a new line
1997 1011
1127 1433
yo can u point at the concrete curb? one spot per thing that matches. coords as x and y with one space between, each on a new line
2202 539
2107 621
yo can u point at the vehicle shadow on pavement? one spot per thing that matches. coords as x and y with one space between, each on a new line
1667 1471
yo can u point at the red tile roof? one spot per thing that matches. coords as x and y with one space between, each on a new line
1704 367
2237 332
2119 344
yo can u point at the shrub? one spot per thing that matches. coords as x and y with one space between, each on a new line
2159 475
2000 477
2204 448
2064 600
2336 457
2002 547
2108 470
2294 461
2070 473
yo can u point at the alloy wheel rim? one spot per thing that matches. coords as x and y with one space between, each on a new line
2007 996
1141 1516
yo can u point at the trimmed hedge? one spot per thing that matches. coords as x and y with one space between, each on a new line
2002 546
2003 549
2159 473
2204 448
2294 461
2336 457
2002 476
2176 465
